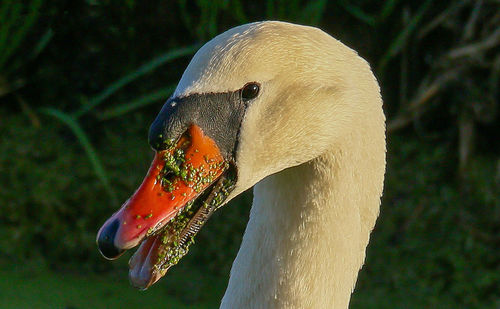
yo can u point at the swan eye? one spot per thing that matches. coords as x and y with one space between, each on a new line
250 91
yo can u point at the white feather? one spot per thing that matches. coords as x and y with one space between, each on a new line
313 142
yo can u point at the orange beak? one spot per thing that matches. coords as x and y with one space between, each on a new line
162 206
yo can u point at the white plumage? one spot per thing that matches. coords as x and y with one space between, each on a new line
313 144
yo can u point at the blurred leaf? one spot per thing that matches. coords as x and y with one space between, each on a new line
387 10
42 43
72 123
313 12
357 12
8 47
239 12
137 103
40 46
9 11
142 70
402 38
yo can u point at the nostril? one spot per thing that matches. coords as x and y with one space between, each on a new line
106 238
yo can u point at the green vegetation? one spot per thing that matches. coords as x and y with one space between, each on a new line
49 289
81 81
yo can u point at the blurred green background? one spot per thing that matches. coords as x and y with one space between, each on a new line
81 81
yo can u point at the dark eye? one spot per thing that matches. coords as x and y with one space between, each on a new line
250 91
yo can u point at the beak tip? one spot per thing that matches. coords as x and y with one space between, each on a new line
106 238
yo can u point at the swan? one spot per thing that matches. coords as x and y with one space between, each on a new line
292 112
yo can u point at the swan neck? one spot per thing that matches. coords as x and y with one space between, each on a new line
307 234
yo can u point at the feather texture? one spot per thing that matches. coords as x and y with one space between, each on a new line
313 144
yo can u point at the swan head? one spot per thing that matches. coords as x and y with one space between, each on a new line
253 101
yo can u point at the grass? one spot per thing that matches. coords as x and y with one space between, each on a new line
42 288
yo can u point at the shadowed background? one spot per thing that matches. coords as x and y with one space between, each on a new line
81 81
